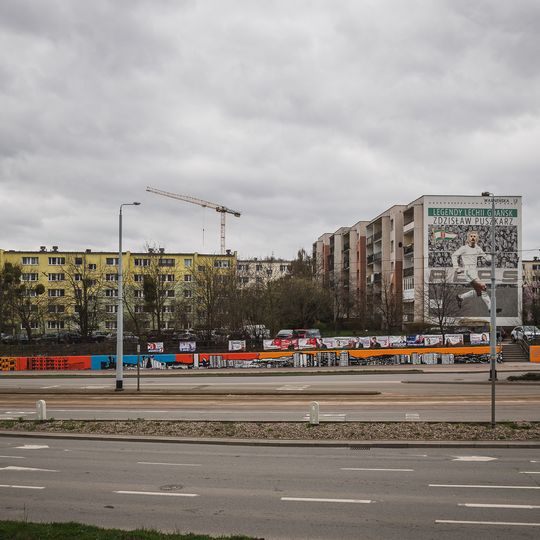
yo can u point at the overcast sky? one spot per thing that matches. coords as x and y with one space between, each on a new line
305 116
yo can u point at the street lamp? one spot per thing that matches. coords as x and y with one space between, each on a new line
120 312
493 311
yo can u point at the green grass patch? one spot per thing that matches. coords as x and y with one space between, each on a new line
20 530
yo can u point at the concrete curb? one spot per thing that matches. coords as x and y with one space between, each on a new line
352 445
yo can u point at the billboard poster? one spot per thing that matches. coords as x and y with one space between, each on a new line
340 343
397 341
278 344
155 347
432 340
480 339
373 342
237 345
187 346
453 339
416 340
457 244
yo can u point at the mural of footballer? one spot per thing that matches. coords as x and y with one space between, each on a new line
468 256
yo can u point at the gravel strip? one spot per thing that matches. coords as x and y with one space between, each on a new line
391 431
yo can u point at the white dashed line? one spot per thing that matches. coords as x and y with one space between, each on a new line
156 493
487 505
309 499
529 472
13 457
506 523
174 464
14 468
474 486
21 487
32 446
365 469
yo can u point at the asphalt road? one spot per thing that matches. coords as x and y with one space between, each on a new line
275 493
433 396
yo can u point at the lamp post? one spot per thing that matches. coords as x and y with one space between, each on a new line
120 312
493 312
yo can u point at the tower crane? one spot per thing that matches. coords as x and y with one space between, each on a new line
205 204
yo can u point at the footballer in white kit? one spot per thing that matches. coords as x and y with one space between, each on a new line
468 256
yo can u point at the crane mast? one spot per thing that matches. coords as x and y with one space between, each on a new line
223 210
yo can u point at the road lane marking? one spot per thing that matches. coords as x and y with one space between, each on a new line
412 417
310 499
481 486
452 521
14 468
21 487
293 387
474 458
487 505
529 472
157 493
32 446
365 469
176 464
53 386
13 457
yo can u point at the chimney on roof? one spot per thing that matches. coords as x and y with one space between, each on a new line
88 250
42 248
228 251
150 250
162 250
55 248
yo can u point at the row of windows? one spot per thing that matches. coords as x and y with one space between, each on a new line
114 261
56 293
243 267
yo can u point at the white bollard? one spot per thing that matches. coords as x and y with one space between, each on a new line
314 413
41 409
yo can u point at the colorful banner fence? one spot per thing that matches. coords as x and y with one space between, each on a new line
327 357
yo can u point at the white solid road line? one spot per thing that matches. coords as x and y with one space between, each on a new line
14 468
529 472
21 487
309 499
488 505
365 469
480 486
487 523
157 493
32 446
13 457
175 464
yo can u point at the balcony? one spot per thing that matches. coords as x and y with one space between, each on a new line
408 295
377 236
408 250
408 272
377 256
376 277
408 227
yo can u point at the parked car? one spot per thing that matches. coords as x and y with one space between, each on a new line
128 336
308 333
98 337
525 332
186 336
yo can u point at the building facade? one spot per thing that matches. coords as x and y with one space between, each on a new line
78 291
260 271
430 260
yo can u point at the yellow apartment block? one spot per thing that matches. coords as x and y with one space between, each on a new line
78 290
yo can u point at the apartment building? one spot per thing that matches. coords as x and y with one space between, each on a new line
412 251
257 271
68 290
531 291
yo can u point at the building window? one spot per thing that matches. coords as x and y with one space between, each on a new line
111 292
166 262
33 325
167 309
142 262
258 267
111 308
30 260
188 277
188 263
220 263
92 266
78 277
29 277
78 261
56 308
168 293
55 325
166 277
111 261
139 309
110 325
242 267
138 278
55 293
139 294
283 267
57 261
187 294
111 277
200 268
57 277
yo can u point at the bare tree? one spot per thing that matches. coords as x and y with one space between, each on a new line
440 299
531 301
389 303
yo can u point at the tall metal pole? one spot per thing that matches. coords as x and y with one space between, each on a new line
120 313
493 333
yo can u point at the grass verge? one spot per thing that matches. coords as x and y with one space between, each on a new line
21 530
530 376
